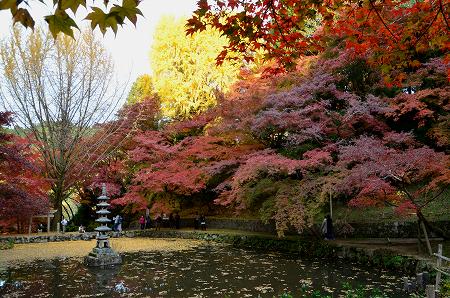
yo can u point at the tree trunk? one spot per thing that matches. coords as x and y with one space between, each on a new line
431 227
58 197
419 240
427 240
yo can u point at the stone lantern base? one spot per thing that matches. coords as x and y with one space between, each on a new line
104 256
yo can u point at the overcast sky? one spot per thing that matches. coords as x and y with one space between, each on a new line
130 48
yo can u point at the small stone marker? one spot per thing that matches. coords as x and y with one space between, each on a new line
420 281
408 286
102 254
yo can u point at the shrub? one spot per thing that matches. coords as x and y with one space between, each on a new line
6 244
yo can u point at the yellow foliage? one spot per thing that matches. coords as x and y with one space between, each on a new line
141 89
185 75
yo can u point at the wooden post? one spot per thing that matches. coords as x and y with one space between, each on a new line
48 222
430 291
331 207
439 265
419 240
426 238
29 226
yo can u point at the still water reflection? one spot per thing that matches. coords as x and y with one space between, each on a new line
206 271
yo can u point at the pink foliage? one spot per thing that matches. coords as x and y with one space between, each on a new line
159 207
264 162
417 107
315 159
186 167
375 173
133 198
343 141
112 189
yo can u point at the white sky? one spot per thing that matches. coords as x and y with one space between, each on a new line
130 48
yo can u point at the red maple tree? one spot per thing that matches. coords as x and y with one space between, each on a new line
394 170
394 34
280 146
23 190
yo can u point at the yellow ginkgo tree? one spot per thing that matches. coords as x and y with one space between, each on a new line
141 89
185 75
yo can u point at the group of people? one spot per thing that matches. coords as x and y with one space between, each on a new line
160 220
40 228
65 222
173 221
117 223
199 222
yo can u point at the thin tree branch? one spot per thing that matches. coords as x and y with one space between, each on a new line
382 20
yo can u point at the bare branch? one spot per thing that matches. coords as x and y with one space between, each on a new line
59 90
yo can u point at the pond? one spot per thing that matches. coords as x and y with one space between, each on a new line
200 271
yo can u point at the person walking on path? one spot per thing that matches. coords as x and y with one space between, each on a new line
171 221
64 224
119 224
203 222
165 220
327 228
177 221
142 222
197 221
158 222
116 223
148 221
81 229
330 228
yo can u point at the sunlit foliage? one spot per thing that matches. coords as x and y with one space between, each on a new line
141 89
185 75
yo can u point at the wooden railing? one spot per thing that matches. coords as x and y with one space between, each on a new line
433 291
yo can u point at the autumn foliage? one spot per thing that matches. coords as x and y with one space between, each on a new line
22 188
280 146
353 103
394 34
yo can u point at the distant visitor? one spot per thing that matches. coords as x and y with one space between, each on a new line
64 224
327 228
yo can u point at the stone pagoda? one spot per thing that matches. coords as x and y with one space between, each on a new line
102 254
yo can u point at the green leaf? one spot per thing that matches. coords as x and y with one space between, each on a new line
72 4
385 68
103 20
23 16
8 4
60 22
128 10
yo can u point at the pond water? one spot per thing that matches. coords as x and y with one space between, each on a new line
205 271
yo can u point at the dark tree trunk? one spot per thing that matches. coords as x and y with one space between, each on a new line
432 227
58 197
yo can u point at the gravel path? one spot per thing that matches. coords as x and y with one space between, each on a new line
49 250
